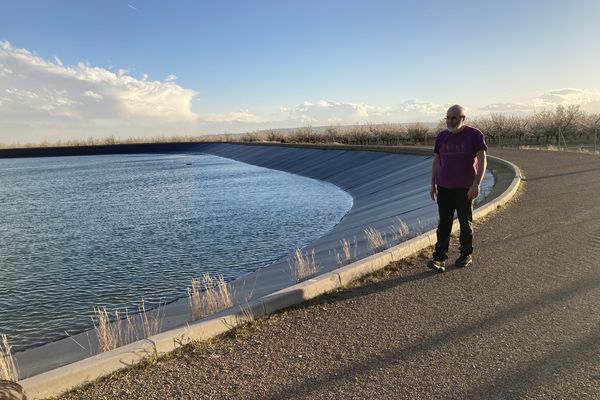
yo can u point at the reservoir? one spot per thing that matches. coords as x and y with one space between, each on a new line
110 230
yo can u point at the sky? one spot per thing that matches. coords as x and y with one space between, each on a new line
132 68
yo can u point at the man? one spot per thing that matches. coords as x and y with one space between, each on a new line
458 167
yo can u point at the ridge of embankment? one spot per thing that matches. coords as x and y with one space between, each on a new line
373 178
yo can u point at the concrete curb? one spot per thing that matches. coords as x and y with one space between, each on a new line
61 379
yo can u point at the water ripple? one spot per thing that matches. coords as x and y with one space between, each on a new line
79 232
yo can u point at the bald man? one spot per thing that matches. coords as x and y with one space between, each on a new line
458 167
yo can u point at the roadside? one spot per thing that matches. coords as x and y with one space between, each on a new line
522 323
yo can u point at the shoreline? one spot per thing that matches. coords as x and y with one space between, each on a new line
360 212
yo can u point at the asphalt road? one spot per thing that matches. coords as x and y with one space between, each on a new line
523 322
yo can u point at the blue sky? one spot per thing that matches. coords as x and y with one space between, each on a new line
192 67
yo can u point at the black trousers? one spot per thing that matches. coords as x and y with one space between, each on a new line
450 200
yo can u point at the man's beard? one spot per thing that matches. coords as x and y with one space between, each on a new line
457 128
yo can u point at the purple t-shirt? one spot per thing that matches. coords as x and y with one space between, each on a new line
458 157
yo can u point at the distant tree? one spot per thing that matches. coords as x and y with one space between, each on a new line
418 132
565 121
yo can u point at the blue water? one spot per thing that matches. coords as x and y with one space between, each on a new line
79 232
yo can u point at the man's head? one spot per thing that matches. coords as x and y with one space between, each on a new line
455 118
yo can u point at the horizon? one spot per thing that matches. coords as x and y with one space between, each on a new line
145 69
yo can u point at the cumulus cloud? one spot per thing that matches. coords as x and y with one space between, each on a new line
419 110
51 95
567 96
325 112
588 99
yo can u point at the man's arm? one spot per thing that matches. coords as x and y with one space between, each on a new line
481 166
434 167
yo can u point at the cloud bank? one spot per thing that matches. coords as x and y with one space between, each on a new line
326 112
588 99
40 99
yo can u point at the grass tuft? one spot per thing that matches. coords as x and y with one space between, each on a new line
346 251
8 369
375 239
150 324
195 300
209 296
120 328
399 230
108 333
303 266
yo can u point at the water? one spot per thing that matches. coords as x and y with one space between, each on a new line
79 232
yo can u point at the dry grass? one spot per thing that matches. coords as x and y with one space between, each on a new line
242 321
399 230
345 257
375 239
150 324
247 314
225 299
8 369
108 333
346 251
120 328
195 299
303 266
209 296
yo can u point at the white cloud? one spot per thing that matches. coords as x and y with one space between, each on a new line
567 96
5 71
54 96
325 112
588 99
94 95
421 108
52 102
170 78
236 116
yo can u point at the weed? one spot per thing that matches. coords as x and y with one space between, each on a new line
399 230
8 369
375 239
215 296
303 266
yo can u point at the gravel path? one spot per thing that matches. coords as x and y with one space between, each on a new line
524 322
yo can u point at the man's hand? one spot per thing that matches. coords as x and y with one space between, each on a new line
473 191
433 192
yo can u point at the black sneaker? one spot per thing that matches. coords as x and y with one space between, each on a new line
437 265
464 261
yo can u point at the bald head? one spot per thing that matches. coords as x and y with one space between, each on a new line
455 118
457 110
